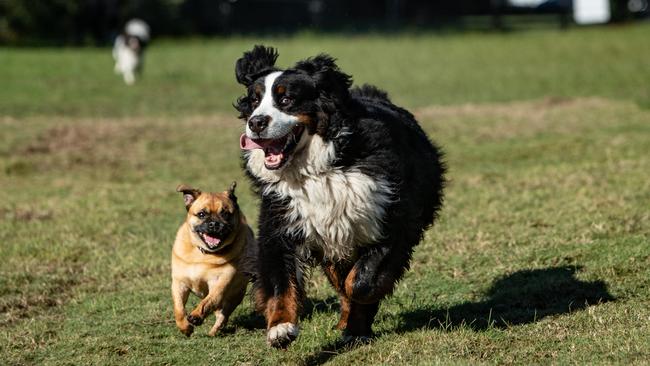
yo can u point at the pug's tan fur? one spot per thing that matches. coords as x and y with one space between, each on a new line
214 277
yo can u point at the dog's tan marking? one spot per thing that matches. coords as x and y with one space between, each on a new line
333 276
282 318
349 282
345 313
308 122
283 308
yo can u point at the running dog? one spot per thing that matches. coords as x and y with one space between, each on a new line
348 181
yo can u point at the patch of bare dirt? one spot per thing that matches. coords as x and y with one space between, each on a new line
523 118
26 294
509 109
26 304
101 143
112 143
25 214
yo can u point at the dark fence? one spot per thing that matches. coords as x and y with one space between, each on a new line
97 21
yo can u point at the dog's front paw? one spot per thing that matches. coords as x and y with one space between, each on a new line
195 320
186 329
281 335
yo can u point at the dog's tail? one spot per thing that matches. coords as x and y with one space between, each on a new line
369 92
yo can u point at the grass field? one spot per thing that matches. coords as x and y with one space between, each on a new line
541 254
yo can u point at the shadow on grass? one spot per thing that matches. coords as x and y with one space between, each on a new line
328 305
330 351
253 320
522 297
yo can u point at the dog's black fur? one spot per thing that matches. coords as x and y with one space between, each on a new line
371 135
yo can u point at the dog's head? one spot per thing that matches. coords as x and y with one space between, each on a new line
213 217
134 43
284 108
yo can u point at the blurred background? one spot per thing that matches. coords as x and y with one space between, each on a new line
96 22
57 57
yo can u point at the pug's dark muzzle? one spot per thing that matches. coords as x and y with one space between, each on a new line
213 233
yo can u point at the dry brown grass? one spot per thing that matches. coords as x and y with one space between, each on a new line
500 121
546 185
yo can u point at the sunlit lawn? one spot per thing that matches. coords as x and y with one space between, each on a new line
541 254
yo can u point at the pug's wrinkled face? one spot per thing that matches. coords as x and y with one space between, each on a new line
212 217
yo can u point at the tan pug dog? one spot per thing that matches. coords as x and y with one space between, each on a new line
206 256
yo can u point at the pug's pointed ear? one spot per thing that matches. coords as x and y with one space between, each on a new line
231 191
189 194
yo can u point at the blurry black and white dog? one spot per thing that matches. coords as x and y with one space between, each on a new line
348 181
128 49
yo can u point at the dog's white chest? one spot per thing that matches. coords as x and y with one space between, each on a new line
127 59
337 211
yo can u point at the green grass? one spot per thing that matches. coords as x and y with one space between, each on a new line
197 76
541 254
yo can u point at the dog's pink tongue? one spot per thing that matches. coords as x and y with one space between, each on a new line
275 146
211 240
246 143
272 150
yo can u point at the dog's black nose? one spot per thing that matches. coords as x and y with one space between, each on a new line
258 123
215 226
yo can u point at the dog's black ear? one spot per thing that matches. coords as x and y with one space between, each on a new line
189 194
327 74
254 63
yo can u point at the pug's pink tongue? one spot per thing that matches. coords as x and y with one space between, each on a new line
211 240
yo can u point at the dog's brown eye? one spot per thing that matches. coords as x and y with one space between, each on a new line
286 101
201 215
255 101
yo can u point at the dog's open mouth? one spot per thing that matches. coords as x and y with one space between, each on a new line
211 242
276 151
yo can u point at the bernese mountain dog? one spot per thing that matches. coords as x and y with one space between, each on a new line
348 182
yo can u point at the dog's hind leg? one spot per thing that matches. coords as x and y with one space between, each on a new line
360 319
371 279
221 320
227 307
376 272
345 313
336 276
